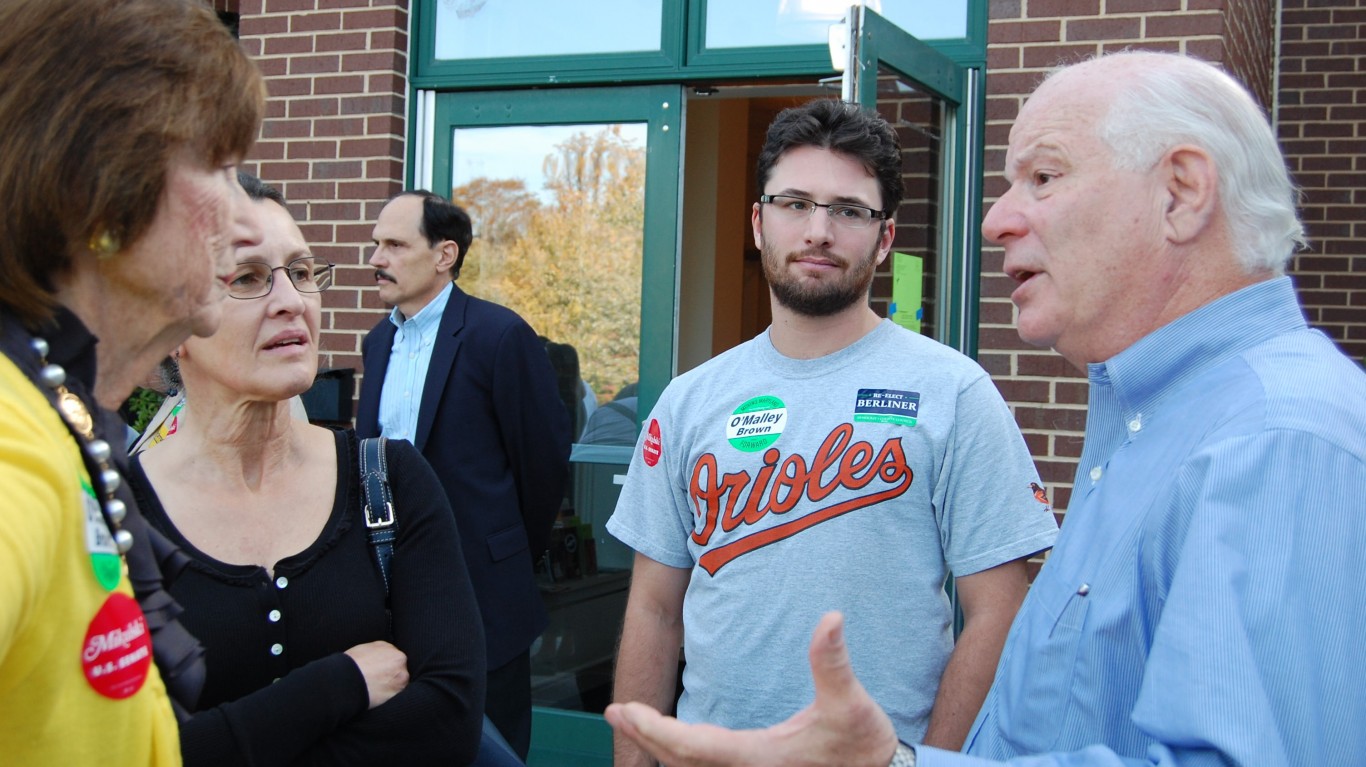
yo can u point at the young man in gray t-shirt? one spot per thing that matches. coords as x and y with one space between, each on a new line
836 462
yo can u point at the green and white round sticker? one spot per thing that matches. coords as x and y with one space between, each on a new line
757 423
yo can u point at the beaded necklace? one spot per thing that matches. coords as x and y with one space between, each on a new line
82 424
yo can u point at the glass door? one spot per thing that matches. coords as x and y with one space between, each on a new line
573 194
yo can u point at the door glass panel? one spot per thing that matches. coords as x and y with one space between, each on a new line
762 23
488 29
558 214
918 119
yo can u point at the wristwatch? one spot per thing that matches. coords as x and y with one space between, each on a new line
904 756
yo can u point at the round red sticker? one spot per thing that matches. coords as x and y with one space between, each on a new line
117 653
650 451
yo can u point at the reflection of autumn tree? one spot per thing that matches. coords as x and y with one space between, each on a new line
571 268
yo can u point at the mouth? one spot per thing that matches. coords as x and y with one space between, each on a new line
383 276
1022 278
286 339
815 260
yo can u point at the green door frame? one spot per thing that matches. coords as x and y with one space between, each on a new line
882 46
658 106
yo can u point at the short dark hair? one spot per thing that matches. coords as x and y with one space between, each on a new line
99 98
259 190
444 220
840 127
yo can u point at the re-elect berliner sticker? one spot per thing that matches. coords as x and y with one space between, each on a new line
117 653
652 447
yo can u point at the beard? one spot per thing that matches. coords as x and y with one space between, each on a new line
818 298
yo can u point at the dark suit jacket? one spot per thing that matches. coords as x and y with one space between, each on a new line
492 425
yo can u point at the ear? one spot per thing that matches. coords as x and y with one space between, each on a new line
884 244
756 221
1192 186
446 253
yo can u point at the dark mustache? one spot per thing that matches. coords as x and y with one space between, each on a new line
381 273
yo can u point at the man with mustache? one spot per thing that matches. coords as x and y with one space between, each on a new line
469 384
837 461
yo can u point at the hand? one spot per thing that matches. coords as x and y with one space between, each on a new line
384 667
843 726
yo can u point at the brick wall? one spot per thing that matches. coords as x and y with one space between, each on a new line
333 138
1025 39
1322 123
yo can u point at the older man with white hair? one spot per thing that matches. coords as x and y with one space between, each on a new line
1203 602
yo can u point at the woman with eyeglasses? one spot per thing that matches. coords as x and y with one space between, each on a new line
311 657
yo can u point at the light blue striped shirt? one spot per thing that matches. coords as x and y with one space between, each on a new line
411 354
1206 600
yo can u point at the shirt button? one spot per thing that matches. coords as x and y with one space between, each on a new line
1135 425
281 582
277 648
274 616
1084 589
1095 473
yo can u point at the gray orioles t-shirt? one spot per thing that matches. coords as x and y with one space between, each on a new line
853 482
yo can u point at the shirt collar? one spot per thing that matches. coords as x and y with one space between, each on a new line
1192 343
428 316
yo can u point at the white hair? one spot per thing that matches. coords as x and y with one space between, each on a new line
1181 100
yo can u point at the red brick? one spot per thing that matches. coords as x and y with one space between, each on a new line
281 87
346 41
368 190
339 84
1005 9
290 6
387 18
1051 418
1070 392
1021 390
268 150
1116 7
283 171
1102 29
1047 364
366 105
386 82
1185 25
1005 32
1055 472
368 62
389 40
346 126
307 65
312 190
313 107
273 67
261 26
372 147
345 169
360 233
1070 446
1002 57
315 22
276 128
282 46
1052 8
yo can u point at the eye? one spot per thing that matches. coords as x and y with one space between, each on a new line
849 213
247 280
1042 177
796 204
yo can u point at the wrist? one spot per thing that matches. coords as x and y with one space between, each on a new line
904 756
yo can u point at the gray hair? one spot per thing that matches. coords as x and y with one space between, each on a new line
1182 100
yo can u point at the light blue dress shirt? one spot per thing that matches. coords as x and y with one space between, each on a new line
409 357
1206 600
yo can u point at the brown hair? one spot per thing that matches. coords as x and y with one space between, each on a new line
99 96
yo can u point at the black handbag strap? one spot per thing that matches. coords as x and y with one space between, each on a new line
380 523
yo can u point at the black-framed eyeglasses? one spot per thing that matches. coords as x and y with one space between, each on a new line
253 279
844 214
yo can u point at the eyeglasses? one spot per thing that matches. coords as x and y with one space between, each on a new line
254 279
800 209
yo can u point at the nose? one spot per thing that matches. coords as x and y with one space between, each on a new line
283 297
820 228
1004 220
